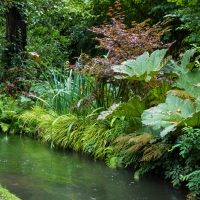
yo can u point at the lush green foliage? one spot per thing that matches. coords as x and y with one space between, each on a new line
181 107
128 102
183 65
10 109
189 145
6 195
65 91
71 131
189 16
171 114
143 68
57 25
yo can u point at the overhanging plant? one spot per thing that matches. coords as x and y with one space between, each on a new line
181 107
174 113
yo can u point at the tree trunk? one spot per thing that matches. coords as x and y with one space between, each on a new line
15 35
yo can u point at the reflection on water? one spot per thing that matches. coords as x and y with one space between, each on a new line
33 172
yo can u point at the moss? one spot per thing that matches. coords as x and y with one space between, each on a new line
6 195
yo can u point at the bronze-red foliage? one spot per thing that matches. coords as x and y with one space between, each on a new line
122 42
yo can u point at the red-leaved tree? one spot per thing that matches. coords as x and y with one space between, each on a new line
122 42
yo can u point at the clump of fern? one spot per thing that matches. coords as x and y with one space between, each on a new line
140 150
130 146
151 154
154 151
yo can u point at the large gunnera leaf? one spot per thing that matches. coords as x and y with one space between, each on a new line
133 108
190 82
158 94
171 114
143 68
183 65
197 103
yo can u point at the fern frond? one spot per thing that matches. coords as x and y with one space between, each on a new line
139 142
144 168
154 151
132 142
132 146
123 141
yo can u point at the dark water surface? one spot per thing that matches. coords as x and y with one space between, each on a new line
32 171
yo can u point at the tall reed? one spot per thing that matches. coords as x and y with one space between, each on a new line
65 90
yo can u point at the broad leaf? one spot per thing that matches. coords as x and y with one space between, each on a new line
169 115
190 82
182 66
197 103
133 108
158 94
143 68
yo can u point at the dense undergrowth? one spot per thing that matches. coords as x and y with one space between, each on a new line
134 106
157 131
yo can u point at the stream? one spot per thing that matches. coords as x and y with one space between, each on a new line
32 171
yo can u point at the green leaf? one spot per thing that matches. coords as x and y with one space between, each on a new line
168 129
4 126
190 82
197 103
182 66
133 108
143 68
158 94
24 99
169 115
